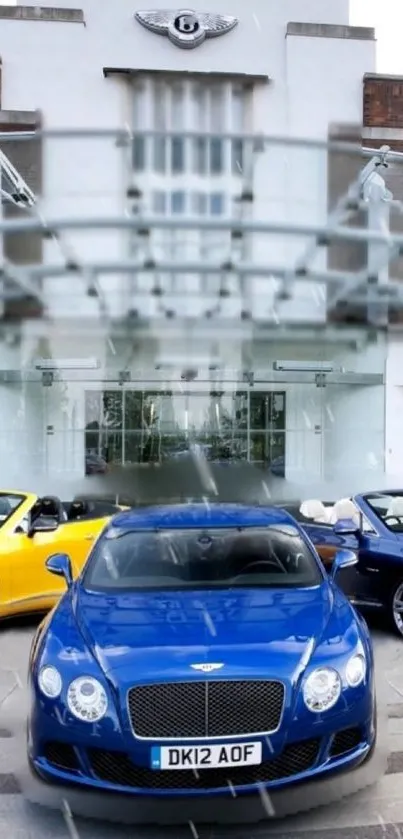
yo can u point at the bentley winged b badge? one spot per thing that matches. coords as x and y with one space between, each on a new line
185 28
207 668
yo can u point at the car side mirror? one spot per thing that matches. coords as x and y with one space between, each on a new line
43 524
346 527
343 559
60 566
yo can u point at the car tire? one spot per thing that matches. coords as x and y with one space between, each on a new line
395 617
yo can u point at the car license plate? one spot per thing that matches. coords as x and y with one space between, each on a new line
206 757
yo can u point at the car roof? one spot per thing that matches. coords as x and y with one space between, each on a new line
200 515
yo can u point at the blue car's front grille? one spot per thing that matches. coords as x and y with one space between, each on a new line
117 768
198 709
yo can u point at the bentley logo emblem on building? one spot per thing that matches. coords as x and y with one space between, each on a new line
207 668
185 28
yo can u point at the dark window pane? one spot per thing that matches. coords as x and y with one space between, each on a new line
199 203
178 202
277 410
93 413
200 156
216 204
177 155
139 154
112 413
102 448
258 410
159 154
237 157
134 440
258 448
241 410
159 203
133 409
151 406
216 157
111 447
223 447
267 410
268 449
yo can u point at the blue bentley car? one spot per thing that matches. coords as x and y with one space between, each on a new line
371 525
203 652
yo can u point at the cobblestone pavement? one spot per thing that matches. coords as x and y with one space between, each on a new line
375 813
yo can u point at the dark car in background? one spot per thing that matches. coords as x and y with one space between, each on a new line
371 525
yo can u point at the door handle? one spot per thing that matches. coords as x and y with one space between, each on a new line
90 537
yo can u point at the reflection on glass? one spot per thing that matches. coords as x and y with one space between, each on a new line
133 403
103 429
129 426
268 449
267 410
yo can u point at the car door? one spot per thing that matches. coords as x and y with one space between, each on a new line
378 561
24 580
31 587
380 553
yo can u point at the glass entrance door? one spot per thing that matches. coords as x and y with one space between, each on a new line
127 426
268 430
300 431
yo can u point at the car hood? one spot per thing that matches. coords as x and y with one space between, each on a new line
156 635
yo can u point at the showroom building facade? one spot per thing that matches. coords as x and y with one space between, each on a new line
75 396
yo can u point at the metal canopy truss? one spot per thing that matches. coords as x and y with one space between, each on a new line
368 288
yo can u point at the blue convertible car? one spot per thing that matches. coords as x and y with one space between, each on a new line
203 652
371 525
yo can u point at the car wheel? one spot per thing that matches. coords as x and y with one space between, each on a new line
396 607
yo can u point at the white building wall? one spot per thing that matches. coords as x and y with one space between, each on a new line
312 81
57 67
394 409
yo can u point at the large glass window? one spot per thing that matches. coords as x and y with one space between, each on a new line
103 430
127 426
268 430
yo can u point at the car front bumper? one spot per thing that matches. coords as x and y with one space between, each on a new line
303 774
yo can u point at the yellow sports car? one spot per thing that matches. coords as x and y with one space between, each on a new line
32 528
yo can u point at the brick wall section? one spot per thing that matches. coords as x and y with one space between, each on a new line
383 102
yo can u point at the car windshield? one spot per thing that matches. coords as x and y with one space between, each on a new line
8 503
275 557
388 507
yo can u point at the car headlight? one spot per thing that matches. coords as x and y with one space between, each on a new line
322 689
87 699
50 682
355 671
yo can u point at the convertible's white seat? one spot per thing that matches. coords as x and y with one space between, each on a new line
315 510
345 509
396 507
